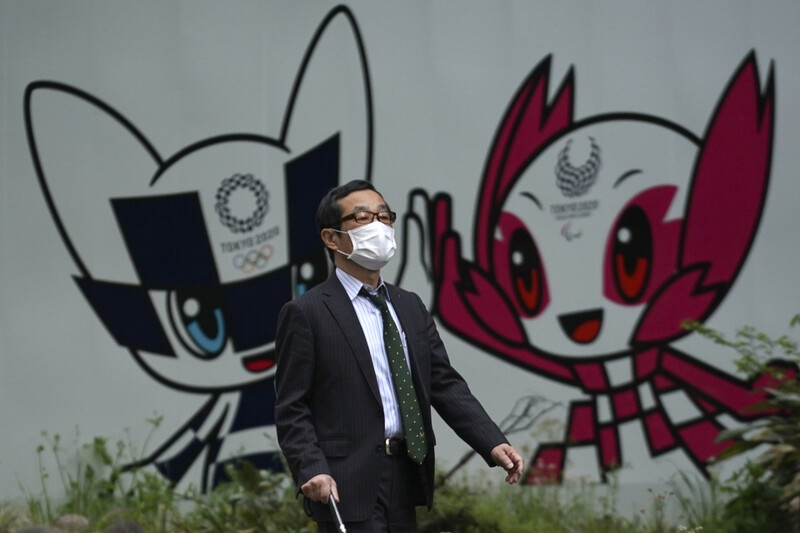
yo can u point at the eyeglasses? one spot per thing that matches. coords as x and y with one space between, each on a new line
366 217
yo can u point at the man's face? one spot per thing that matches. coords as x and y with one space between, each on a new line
356 202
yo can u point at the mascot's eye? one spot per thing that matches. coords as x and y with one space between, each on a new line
525 268
632 253
196 317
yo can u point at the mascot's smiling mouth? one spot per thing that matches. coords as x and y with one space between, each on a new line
582 327
259 362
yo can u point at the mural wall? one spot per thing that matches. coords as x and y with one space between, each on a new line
573 183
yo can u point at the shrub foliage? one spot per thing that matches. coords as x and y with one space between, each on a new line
762 496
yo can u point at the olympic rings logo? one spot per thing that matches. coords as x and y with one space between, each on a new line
253 260
241 182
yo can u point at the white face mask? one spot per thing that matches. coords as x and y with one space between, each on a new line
373 245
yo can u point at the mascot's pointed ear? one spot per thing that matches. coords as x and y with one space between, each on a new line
332 95
729 188
530 120
85 153
726 200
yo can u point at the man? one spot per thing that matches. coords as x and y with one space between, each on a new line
342 350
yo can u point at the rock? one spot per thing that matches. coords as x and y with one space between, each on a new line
19 522
73 523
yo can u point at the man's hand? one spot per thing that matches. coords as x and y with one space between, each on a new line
319 487
506 456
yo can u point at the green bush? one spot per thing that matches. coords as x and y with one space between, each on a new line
763 496
97 486
252 500
765 493
473 505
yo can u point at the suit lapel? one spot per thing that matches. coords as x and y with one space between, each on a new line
341 309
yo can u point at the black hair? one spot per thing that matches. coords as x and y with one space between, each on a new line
329 212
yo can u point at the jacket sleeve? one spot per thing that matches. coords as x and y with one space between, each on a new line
295 354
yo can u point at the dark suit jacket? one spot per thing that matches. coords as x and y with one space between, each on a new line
328 411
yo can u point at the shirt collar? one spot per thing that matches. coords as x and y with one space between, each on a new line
352 286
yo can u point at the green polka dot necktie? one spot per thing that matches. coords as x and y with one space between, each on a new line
403 385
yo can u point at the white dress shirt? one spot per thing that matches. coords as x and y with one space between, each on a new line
372 324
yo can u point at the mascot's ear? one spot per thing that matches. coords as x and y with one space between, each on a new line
729 188
85 153
332 95
529 122
726 200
